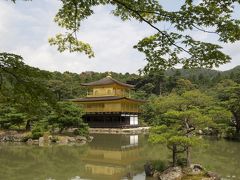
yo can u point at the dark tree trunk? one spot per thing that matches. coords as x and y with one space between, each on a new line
28 125
237 121
238 128
160 87
188 156
237 118
59 96
174 155
188 149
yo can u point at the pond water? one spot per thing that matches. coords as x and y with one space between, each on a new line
108 157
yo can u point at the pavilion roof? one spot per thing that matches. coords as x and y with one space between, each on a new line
107 81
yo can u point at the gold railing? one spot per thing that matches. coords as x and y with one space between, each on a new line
121 94
100 94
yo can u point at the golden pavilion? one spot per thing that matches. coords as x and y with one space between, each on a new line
108 104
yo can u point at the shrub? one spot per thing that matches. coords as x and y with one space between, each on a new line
230 132
54 139
182 162
37 132
159 165
82 131
26 137
68 115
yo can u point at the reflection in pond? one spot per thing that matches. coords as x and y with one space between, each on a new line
221 156
111 156
107 157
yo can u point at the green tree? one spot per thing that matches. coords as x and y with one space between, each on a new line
229 94
67 115
172 80
183 85
17 78
222 118
16 119
178 118
10 116
24 88
59 88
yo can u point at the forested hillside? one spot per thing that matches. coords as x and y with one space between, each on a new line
67 85
32 98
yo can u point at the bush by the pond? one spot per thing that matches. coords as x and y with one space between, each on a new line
37 132
26 137
82 131
181 161
159 165
231 134
54 139
4 125
68 115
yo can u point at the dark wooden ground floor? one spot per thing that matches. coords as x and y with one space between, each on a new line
111 120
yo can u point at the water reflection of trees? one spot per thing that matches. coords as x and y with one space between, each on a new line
106 157
220 156
32 162
113 156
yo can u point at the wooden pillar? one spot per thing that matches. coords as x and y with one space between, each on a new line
104 120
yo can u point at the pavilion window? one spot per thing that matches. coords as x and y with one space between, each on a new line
96 92
109 92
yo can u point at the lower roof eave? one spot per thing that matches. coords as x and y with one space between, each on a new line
108 98
111 113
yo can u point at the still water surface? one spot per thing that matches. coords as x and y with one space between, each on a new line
108 157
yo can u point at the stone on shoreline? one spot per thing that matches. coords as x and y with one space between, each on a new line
90 138
41 141
149 170
196 169
71 139
172 173
213 175
14 136
177 173
137 130
62 140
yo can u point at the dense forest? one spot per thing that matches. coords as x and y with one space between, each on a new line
35 99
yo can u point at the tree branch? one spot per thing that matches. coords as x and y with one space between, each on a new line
150 24
203 30
154 12
75 14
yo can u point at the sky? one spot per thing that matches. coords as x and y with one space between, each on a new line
26 26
